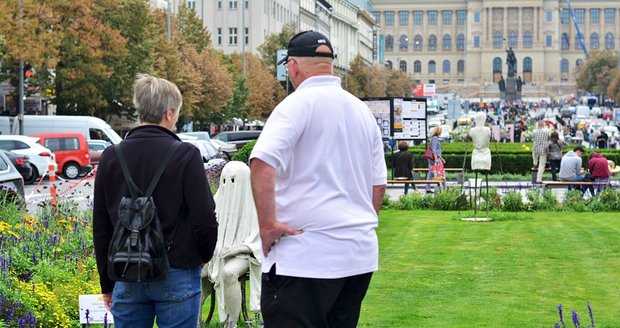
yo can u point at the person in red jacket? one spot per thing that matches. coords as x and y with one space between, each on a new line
599 170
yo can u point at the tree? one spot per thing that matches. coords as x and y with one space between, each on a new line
190 26
273 42
358 81
613 91
399 84
264 90
597 72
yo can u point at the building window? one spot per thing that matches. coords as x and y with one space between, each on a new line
497 39
595 16
403 43
577 41
476 41
447 42
564 66
232 4
461 17
565 41
610 16
549 41
564 15
497 65
417 42
388 64
580 16
432 17
418 17
247 35
432 67
232 35
446 67
219 4
527 64
432 42
389 18
403 18
476 17
549 16
594 41
377 15
512 39
219 36
389 43
609 41
578 63
246 4
527 39
191 4
460 42
417 66
403 66
446 17
460 67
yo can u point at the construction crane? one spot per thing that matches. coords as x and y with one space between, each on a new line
579 34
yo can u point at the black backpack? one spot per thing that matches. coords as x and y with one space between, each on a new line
138 251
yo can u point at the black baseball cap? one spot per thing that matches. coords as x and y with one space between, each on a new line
304 44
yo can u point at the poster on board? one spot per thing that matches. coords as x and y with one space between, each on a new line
381 109
400 118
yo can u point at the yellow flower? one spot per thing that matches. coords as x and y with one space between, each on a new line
4 226
12 234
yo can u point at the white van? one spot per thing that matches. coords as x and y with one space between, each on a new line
582 113
93 128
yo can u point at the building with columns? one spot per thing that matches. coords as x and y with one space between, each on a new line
460 45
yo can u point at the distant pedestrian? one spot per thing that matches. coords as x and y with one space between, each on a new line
554 153
539 149
403 164
602 139
599 170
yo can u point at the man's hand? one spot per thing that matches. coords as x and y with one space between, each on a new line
270 234
107 301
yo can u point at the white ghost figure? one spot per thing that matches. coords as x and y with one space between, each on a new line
238 247
480 136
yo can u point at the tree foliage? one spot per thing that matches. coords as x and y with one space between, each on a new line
399 84
597 72
274 42
377 81
613 91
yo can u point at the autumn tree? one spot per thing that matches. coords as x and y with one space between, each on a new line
613 91
399 84
597 72
190 26
274 42
358 80
264 91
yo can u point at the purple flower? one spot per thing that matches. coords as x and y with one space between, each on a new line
105 320
575 317
561 317
591 314
557 325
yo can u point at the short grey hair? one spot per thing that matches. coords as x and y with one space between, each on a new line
153 96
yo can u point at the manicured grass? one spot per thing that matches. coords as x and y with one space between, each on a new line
438 271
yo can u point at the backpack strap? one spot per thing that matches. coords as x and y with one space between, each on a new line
161 168
134 191
133 188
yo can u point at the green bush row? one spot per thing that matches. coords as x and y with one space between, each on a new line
536 199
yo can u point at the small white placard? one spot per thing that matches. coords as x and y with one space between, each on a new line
96 309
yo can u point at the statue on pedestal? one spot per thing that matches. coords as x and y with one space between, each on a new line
238 247
511 61
502 84
519 84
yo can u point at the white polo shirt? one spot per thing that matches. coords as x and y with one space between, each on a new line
326 148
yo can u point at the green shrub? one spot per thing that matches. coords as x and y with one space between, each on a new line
243 154
414 201
451 199
541 200
610 198
494 198
573 201
513 202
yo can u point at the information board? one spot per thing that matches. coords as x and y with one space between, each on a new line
400 118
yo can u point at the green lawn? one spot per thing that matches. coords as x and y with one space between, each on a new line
438 271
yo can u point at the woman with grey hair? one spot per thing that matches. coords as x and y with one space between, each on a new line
185 208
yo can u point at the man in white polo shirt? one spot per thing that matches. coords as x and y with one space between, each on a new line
318 179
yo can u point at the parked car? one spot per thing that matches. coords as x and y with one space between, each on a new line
21 163
40 157
11 182
238 138
95 148
209 153
200 135
71 151
227 150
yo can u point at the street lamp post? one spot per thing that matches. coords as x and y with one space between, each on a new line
21 77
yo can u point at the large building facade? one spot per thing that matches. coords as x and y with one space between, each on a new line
460 45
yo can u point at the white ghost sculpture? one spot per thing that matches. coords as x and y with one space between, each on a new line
238 247
480 136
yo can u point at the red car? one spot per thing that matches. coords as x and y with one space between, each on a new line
71 152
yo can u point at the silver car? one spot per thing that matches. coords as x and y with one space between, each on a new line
11 181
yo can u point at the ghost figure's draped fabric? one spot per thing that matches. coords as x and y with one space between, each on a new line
238 227
480 136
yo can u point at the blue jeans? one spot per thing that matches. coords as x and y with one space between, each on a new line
175 301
